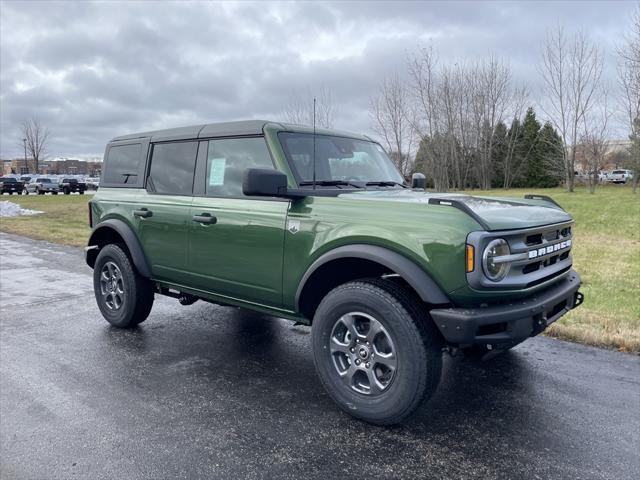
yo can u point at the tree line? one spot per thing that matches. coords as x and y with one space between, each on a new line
470 125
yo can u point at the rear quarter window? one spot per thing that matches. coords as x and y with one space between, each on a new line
122 166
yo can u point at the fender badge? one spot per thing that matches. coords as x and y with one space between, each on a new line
293 226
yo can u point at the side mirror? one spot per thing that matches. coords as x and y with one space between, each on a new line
418 180
264 182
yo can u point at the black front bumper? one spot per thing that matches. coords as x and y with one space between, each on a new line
509 324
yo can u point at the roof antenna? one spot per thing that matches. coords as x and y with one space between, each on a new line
314 143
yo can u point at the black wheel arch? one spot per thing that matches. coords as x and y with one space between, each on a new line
117 231
374 260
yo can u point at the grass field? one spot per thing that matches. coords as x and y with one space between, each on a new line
66 218
606 253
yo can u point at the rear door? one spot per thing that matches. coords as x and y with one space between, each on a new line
162 214
235 241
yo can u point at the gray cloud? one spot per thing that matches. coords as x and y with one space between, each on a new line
91 71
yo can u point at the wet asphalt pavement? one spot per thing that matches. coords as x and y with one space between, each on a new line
213 392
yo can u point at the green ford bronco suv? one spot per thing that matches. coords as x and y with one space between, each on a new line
320 228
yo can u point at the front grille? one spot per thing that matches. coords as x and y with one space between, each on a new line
540 254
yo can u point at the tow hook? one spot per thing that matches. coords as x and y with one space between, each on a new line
578 300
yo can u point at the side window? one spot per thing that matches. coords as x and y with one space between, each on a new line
122 165
228 158
172 166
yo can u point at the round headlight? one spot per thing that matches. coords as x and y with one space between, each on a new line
495 271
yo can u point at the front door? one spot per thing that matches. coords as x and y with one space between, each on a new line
235 242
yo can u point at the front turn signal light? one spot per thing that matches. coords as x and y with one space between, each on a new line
471 260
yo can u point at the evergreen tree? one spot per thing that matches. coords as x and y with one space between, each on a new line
549 156
529 150
499 154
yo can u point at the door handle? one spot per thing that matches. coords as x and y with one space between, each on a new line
205 218
143 213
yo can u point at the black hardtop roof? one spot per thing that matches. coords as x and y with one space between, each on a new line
230 129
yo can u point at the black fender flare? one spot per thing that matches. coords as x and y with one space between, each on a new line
414 275
130 239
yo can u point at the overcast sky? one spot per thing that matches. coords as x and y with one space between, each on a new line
91 71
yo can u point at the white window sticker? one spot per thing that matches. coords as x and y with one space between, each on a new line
216 171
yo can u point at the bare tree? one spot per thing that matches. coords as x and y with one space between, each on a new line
37 139
457 109
629 80
299 110
490 86
571 71
389 112
594 141
425 116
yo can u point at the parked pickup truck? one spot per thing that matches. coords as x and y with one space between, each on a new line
620 176
71 185
41 185
320 228
10 185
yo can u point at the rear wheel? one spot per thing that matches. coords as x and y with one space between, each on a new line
124 296
67 191
376 351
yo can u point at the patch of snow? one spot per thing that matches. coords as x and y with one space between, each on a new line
10 209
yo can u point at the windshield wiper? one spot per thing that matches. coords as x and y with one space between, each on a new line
386 184
331 183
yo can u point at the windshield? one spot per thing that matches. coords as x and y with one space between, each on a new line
44 180
338 159
7 179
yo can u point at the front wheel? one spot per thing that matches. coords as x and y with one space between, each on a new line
376 351
124 296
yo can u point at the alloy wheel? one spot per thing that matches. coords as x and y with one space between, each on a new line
363 353
112 286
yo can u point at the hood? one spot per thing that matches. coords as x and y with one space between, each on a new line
497 213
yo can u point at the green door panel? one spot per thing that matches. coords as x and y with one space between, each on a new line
239 256
164 234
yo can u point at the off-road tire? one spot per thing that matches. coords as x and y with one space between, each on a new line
418 349
137 290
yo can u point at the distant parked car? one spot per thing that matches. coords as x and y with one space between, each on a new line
92 183
620 176
10 185
69 185
41 185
